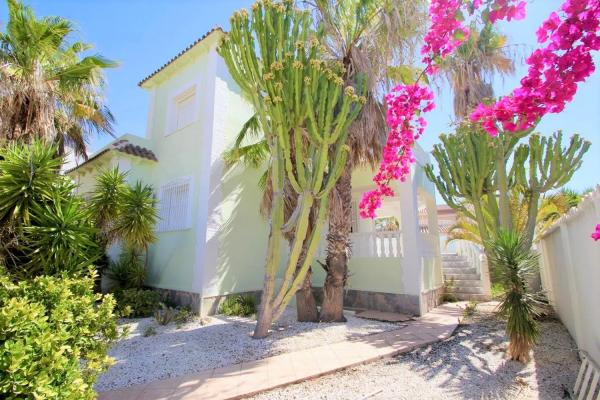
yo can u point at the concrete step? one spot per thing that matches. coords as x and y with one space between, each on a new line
456 265
459 270
461 260
467 282
467 277
471 296
467 290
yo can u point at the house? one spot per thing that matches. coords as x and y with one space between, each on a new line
211 238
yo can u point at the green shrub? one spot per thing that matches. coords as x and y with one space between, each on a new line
184 315
55 334
448 295
140 302
149 331
239 305
164 315
129 272
44 226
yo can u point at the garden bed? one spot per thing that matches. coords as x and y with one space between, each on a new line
217 342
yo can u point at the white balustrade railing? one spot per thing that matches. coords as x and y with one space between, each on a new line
387 244
473 252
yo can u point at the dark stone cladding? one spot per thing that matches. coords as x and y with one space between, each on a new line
353 300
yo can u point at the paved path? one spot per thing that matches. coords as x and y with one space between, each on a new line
245 379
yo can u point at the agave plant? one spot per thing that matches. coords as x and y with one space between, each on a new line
515 263
105 201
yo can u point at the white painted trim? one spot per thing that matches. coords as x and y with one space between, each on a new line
150 116
207 121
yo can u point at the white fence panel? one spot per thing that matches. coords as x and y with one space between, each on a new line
570 273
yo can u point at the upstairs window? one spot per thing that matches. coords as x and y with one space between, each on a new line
175 205
183 110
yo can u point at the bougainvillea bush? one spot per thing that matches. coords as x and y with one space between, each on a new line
563 61
54 336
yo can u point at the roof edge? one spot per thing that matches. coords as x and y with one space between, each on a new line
181 53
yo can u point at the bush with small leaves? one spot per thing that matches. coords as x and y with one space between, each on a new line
55 335
140 302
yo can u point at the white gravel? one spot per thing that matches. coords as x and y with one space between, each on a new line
470 365
219 342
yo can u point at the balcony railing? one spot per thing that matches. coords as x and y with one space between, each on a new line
377 244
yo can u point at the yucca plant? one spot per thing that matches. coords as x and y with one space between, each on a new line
138 216
105 207
60 238
514 264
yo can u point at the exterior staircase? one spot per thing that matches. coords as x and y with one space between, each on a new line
462 278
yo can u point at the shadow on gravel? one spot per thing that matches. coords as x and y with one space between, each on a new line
473 363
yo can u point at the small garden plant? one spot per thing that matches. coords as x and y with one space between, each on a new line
240 306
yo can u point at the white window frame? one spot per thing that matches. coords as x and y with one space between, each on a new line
172 110
164 223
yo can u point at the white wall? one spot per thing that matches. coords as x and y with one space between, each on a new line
570 272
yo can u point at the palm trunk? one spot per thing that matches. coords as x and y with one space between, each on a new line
340 226
306 304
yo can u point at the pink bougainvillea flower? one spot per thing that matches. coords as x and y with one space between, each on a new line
596 234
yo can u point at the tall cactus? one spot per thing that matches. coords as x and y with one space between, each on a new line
275 58
466 162
542 165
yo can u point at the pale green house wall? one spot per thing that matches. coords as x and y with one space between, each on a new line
223 251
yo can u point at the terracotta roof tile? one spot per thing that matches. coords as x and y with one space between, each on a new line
124 146
216 28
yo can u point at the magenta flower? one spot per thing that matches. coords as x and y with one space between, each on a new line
596 234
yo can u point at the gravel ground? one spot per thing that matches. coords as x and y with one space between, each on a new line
219 342
472 364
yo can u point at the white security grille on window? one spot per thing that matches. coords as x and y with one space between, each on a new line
175 205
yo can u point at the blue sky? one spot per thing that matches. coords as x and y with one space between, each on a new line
143 34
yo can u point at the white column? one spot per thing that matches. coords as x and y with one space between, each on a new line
411 262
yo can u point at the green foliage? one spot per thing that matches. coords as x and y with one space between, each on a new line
470 308
138 216
149 331
44 227
51 86
61 238
164 315
105 202
239 305
183 316
498 290
139 302
497 182
304 111
55 336
514 264
129 272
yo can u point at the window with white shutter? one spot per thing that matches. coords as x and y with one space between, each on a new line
175 205
182 110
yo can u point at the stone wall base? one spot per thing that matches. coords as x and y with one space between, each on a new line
353 300
432 298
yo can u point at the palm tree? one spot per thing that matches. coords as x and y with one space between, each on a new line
48 89
369 38
470 68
